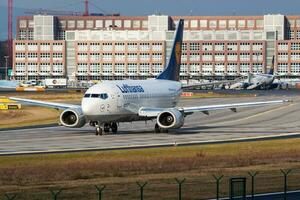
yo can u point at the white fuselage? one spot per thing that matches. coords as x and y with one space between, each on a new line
120 101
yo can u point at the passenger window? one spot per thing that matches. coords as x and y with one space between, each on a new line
87 95
104 96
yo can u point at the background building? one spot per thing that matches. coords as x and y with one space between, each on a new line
117 47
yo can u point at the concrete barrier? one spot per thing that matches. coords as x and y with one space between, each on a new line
187 94
30 89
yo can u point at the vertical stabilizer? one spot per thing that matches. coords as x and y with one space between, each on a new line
172 71
271 72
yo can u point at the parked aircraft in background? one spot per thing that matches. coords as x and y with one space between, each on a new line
108 103
258 81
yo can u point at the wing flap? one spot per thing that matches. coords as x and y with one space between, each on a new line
60 106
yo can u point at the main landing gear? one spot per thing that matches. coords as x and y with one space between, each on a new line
107 127
158 129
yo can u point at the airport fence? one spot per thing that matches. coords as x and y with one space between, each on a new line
221 185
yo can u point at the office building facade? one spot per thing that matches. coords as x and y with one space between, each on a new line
83 48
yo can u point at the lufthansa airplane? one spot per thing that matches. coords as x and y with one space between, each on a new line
108 103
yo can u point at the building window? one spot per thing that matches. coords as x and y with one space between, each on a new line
207 57
23 23
89 24
119 47
244 56
207 69
194 46
71 24
20 46
157 68
212 24
207 47
32 56
295 56
80 24
127 23
144 68
82 47
107 47
132 68
45 68
157 56
219 57
20 68
95 68
82 68
282 68
99 23
244 68
132 57
283 56
222 23
203 23
82 57
194 57
232 68
144 46
120 56
241 23
120 68
295 46
95 57
157 47
219 47
232 57
194 68
107 68
194 23
58 68
145 56
107 56
295 68
132 47
32 67
250 23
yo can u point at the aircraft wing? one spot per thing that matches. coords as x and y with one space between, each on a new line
153 112
60 106
205 84
253 86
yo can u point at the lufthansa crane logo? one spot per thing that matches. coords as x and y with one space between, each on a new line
178 52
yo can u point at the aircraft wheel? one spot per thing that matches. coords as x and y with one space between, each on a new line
114 127
157 128
98 131
106 128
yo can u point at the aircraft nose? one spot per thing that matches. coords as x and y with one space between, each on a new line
88 106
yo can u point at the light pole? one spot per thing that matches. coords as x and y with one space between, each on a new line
6 63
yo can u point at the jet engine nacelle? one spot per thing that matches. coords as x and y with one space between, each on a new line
171 118
72 118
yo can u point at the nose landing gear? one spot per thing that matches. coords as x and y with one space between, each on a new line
107 127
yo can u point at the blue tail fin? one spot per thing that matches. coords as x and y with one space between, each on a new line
172 71
271 72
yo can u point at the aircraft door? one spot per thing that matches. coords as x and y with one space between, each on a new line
119 100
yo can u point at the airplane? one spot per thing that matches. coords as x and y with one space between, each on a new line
258 81
108 103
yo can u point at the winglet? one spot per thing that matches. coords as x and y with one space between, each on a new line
172 71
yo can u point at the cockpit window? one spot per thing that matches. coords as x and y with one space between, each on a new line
103 96
95 95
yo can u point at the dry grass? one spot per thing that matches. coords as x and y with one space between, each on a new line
120 169
28 116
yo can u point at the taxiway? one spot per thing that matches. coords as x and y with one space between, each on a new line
220 126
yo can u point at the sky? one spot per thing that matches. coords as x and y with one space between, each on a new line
148 7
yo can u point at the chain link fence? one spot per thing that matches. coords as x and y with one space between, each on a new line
202 186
